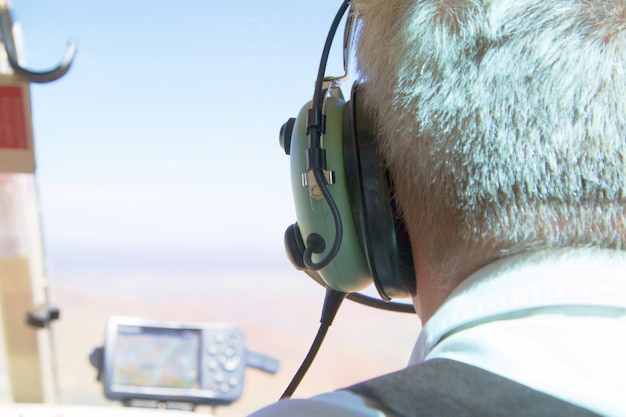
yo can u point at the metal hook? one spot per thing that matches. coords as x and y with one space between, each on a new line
6 28
348 38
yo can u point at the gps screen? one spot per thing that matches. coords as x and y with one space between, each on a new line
156 358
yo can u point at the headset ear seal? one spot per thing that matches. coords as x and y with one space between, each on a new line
382 234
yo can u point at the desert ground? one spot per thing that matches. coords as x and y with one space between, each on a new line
276 307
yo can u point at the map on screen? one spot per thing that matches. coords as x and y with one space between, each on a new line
156 358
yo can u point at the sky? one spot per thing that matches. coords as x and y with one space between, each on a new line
163 137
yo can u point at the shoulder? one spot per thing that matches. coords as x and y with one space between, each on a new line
332 404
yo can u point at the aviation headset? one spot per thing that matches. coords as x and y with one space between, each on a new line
347 233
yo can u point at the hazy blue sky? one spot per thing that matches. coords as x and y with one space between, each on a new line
164 134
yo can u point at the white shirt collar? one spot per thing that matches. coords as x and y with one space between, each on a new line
562 277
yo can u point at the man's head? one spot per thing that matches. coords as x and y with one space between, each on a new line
503 123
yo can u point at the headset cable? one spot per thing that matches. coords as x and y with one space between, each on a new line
332 302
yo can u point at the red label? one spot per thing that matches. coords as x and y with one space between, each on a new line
12 119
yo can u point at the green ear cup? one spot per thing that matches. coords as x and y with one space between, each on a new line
348 272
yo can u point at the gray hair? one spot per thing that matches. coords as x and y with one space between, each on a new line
503 122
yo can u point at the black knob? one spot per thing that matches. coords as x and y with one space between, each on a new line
294 246
41 316
285 135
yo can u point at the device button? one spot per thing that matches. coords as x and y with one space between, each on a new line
233 381
231 364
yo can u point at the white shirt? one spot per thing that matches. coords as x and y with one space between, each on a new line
552 320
